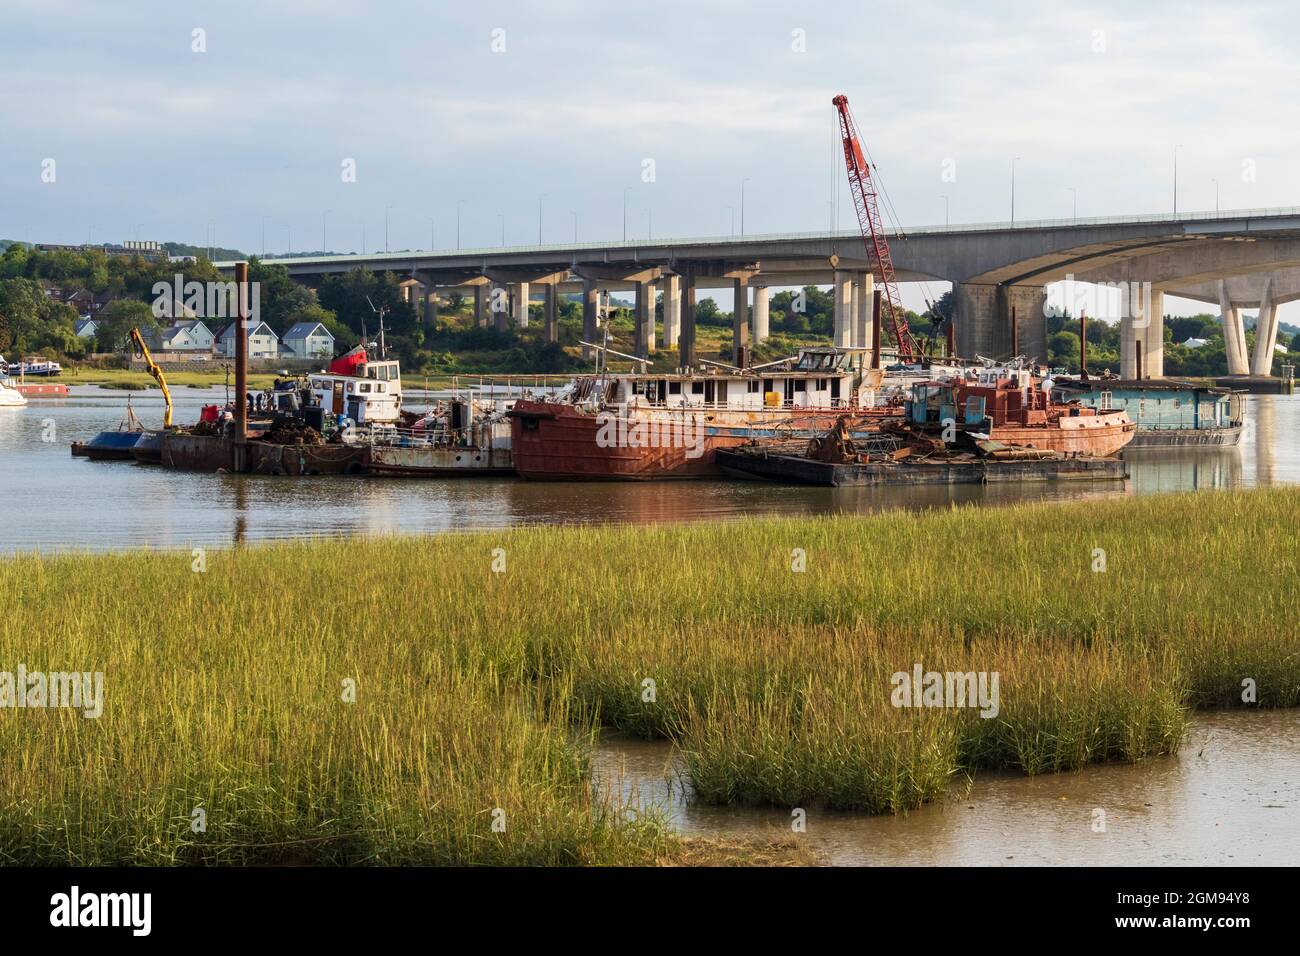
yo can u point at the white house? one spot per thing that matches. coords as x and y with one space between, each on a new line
188 336
309 340
85 328
262 342
1194 343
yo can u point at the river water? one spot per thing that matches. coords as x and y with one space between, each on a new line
50 501
1230 797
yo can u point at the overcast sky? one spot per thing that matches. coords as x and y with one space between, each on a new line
503 104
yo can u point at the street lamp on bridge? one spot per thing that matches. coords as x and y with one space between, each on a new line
1013 189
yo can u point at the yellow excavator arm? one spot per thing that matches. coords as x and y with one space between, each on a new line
143 351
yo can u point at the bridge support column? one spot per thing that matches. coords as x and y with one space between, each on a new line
686 339
590 309
431 306
480 316
552 313
672 286
520 296
1234 333
842 296
739 319
863 292
1265 331
500 306
1153 352
977 309
1030 302
760 314
645 319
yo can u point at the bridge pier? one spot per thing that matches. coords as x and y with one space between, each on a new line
519 297
552 313
739 318
645 319
863 292
760 314
672 287
842 296
1142 336
1265 331
984 314
686 339
431 306
1234 333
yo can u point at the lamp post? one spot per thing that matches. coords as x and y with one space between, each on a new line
945 210
575 225
742 204
733 219
1176 149
386 209
626 190
459 203
1216 196
324 220
1013 189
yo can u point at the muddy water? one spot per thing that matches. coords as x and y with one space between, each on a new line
1231 796
50 501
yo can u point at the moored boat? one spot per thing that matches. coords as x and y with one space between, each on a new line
640 426
1168 413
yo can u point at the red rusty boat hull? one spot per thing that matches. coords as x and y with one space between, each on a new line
1098 436
559 442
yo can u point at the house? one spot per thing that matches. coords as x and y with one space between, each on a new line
85 328
309 340
262 342
1194 343
187 336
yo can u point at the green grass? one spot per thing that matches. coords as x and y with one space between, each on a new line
134 380
479 690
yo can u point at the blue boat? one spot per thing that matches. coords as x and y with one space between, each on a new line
1168 413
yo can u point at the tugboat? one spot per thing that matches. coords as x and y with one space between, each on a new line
1013 406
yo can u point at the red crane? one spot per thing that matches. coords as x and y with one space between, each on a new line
873 232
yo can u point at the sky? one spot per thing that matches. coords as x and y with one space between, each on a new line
327 122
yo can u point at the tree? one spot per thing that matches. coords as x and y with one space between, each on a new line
113 327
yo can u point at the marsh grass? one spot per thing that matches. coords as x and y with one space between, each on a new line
478 691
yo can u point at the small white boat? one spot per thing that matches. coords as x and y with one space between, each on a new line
10 396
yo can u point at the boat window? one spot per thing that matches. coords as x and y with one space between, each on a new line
674 388
753 387
1104 400
381 388
351 388
364 387
697 388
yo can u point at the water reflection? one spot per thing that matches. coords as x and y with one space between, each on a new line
1231 796
49 500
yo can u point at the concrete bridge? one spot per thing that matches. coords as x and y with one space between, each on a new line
999 273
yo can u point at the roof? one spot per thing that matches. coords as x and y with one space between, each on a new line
80 325
260 329
300 330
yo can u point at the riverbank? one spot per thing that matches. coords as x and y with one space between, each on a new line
120 378
391 700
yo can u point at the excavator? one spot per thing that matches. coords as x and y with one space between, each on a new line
142 352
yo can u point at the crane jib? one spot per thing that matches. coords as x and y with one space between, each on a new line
873 233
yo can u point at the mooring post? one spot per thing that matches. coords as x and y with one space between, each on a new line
875 328
1083 343
238 449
